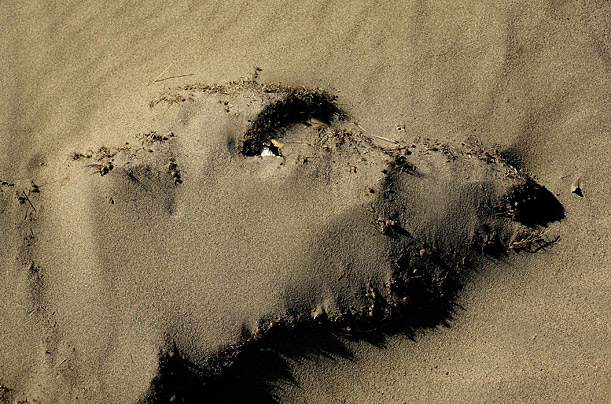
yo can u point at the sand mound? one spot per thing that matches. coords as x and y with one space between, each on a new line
245 207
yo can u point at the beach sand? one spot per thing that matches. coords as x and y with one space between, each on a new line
151 254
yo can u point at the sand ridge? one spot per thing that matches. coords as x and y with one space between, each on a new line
193 245
526 78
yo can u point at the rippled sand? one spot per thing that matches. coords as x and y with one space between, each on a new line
149 245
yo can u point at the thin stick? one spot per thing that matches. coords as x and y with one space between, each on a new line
28 199
175 77
164 70
384 138
375 136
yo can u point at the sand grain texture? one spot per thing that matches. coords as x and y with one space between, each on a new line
528 79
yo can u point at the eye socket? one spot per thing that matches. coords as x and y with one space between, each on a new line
296 106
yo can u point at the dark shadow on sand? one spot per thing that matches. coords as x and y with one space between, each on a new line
262 367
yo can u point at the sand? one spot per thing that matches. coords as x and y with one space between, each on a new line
190 249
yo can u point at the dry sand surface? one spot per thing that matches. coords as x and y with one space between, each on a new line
402 202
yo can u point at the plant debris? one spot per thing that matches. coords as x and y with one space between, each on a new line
297 106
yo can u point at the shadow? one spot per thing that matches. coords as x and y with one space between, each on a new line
263 367
251 376
514 156
297 106
418 300
255 372
534 205
537 206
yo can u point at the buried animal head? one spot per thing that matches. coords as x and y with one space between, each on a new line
254 206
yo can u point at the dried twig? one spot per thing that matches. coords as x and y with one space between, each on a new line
384 138
161 74
174 77
527 241
28 200
375 136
